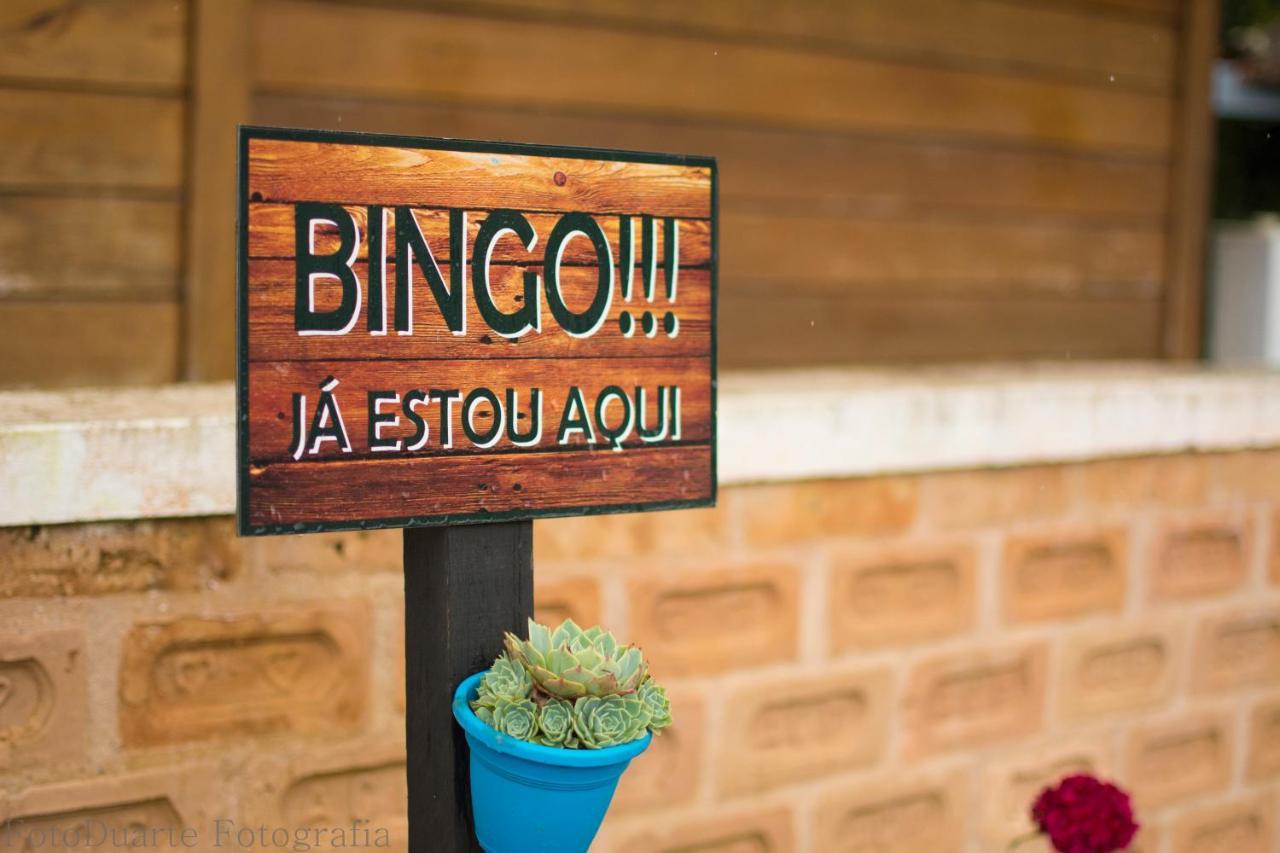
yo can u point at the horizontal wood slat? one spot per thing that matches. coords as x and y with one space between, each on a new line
537 483
416 54
272 236
88 343
270 426
759 331
53 248
1062 40
72 140
796 170
380 175
813 253
271 303
105 42
1161 10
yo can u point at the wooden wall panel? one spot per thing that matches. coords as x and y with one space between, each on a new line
1041 159
219 102
125 43
79 141
780 330
410 54
88 248
799 170
87 343
91 123
1061 41
1190 182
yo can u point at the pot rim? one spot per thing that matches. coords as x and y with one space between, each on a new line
536 752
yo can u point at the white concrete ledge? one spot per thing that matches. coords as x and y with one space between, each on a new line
144 453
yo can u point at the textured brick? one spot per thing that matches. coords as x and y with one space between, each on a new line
303 670
576 598
331 787
744 831
95 559
958 701
1200 557
332 553
44 709
668 772
1145 481
1243 826
893 815
1117 669
1062 573
966 499
702 621
681 532
1273 561
1263 746
1175 760
1010 784
901 594
782 513
117 807
798 728
1252 475
1237 649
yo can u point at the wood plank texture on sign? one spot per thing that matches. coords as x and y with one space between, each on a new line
273 336
368 174
93 248
60 344
641 378
125 43
531 484
77 141
409 54
272 385
272 230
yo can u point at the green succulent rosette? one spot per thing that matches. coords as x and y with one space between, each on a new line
555 724
570 663
571 688
517 718
506 679
655 700
601 721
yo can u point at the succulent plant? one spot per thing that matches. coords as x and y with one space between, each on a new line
515 717
570 662
555 724
571 688
601 721
655 700
505 679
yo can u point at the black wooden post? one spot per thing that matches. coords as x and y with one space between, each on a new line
464 586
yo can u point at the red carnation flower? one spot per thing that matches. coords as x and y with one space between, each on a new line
1082 814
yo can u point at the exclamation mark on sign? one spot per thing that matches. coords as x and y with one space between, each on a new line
649 271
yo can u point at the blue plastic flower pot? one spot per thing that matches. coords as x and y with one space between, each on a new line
528 798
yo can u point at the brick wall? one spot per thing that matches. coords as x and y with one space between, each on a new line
890 664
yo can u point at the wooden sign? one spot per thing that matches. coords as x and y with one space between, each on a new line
437 331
